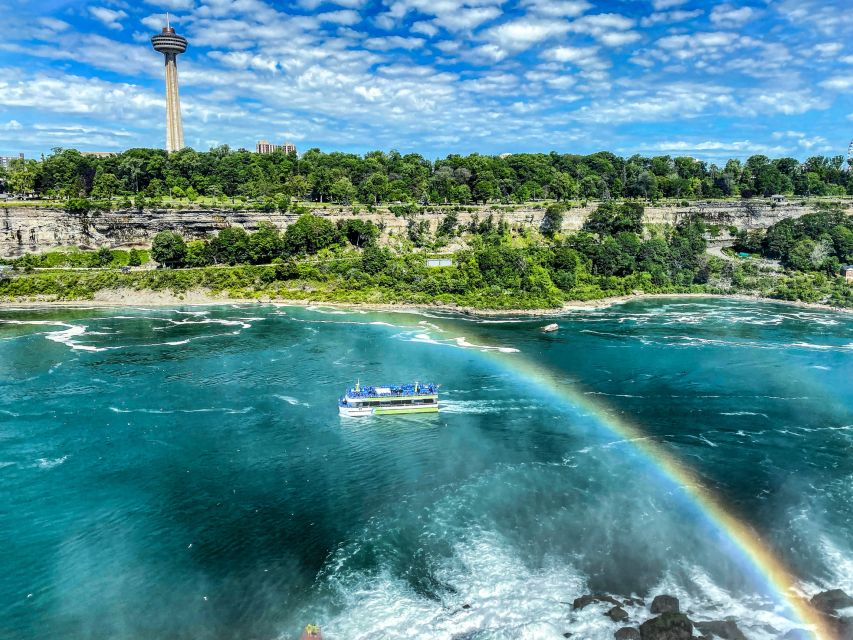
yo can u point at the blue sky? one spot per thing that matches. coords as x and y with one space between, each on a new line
684 77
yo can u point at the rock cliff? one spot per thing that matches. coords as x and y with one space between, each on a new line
29 229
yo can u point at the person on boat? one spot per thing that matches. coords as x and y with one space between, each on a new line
312 632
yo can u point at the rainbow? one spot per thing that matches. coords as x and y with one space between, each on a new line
743 538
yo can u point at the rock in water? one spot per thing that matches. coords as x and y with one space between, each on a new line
548 328
664 604
627 633
832 601
669 626
617 614
588 599
725 629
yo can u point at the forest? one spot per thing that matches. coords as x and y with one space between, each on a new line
152 176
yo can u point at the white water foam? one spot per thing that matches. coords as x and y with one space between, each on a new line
171 411
66 336
292 401
460 342
46 463
492 593
743 413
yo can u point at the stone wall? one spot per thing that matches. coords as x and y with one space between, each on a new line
29 229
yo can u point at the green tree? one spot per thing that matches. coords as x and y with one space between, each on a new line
309 234
552 221
611 218
565 263
134 258
265 244
168 249
374 259
230 246
343 191
106 185
199 254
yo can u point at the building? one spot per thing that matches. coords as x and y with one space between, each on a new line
439 262
98 154
171 45
266 147
847 272
6 161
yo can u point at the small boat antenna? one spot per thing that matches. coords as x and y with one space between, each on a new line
358 385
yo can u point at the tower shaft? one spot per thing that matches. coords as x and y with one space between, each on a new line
174 125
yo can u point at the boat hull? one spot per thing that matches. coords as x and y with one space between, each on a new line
362 412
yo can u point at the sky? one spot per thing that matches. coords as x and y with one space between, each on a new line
703 78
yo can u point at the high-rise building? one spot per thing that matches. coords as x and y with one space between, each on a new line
171 45
6 161
266 147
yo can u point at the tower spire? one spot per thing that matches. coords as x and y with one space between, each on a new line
171 45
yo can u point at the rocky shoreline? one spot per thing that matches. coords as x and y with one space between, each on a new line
664 619
198 297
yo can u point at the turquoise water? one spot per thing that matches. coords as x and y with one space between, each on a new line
183 473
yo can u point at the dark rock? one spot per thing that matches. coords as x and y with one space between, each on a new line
664 604
617 614
831 601
466 606
634 602
567 634
725 629
589 599
668 626
628 633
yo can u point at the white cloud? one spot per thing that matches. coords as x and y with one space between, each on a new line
728 16
172 5
349 4
523 33
828 49
670 17
425 27
109 17
580 56
713 149
394 42
838 83
661 5
54 24
74 94
344 16
368 93
12 125
611 29
822 16
558 8
467 19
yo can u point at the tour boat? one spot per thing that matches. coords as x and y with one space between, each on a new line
405 398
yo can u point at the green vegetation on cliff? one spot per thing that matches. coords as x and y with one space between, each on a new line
498 268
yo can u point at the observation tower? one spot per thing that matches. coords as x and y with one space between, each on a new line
170 44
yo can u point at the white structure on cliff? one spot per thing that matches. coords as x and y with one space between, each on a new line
171 45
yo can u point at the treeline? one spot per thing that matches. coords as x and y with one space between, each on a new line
379 177
821 241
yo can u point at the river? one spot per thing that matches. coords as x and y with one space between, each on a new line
183 473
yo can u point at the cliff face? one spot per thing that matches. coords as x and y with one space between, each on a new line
29 229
